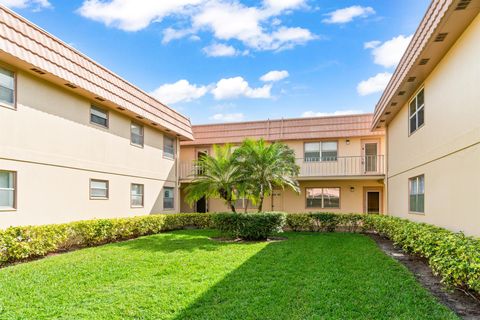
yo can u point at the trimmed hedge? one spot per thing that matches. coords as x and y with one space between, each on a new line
21 243
453 256
250 226
324 221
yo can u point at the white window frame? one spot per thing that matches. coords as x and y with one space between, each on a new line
416 180
141 194
92 197
173 198
322 206
100 109
320 148
132 134
14 189
168 155
12 105
417 110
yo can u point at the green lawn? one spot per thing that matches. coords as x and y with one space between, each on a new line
185 275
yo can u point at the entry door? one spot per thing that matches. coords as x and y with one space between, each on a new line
372 201
277 200
201 205
370 156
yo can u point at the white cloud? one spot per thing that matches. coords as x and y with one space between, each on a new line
228 117
346 15
307 114
236 87
257 27
220 50
133 15
274 75
374 84
179 91
36 4
389 53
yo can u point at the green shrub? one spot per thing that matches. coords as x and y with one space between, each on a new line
250 226
20 243
453 256
299 222
325 221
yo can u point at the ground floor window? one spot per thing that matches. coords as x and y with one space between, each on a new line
7 190
168 198
323 197
136 195
98 189
417 194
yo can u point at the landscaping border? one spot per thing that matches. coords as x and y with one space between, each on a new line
453 256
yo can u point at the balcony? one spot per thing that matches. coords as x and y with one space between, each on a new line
356 167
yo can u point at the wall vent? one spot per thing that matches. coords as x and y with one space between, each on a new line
424 61
72 86
100 99
463 4
383 120
153 124
139 117
401 93
38 71
411 79
441 36
121 109
393 104
388 112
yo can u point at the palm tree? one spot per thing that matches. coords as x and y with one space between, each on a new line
219 177
265 167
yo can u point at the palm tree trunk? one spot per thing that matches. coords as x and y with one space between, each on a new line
262 195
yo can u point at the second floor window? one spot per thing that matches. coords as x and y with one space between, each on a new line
320 151
136 134
168 147
99 116
417 112
7 88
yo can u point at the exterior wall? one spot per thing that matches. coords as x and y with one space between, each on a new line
447 148
289 201
49 141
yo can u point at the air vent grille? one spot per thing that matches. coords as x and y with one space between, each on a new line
100 99
401 93
388 112
424 61
139 117
38 71
382 120
120 108
441 36
411 79
153 124
71 85
463 4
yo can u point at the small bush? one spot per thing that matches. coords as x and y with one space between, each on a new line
300 222
250 226
325 221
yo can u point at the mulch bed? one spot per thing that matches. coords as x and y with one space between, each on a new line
465 304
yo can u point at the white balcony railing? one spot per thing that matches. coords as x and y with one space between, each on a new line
354 166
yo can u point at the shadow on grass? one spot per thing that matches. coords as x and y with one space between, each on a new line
317 276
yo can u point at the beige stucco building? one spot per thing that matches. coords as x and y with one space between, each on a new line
77 141
341 162
431 112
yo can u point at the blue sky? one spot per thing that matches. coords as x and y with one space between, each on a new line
226 60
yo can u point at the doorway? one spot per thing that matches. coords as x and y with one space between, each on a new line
277 200
373 201
201 205
370 156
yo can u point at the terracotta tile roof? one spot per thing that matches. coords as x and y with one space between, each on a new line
25 41
285 129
